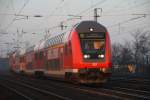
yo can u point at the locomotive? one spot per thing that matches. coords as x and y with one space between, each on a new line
82 54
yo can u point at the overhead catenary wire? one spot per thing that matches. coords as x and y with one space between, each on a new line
130 31
101 2
13 20
96 4
127 21
52 13
85 10
131 7
78 16
104 15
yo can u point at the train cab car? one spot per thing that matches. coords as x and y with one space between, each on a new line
80 55
90 50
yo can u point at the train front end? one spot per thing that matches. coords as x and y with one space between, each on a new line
91 52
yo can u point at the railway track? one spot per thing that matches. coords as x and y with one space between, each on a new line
68 92
13 95
29 92
133 84
113 90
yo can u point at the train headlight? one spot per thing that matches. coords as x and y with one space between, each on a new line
101 56
86 56
91 29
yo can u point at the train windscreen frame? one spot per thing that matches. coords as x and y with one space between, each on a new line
93 45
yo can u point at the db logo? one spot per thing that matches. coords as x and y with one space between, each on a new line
94 64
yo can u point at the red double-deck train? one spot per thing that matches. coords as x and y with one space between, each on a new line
82 54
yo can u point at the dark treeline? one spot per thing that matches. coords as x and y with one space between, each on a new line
133 53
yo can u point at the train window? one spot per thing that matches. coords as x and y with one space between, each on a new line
98 44
36 56
52 41
59 39
56 40
48 42
41 55
52 51
93 45
54 64
20 60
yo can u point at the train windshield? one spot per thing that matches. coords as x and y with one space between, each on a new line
93 45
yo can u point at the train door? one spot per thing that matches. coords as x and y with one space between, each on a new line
67 55
61 58
42 56
35 60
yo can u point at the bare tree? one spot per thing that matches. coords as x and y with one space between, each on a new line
122 57
126 54
141 46
116 53
133 53
122 54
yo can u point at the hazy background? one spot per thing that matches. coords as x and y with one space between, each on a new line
18 23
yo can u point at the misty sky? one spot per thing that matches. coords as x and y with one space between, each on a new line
121 17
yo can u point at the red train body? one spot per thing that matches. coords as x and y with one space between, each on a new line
82 54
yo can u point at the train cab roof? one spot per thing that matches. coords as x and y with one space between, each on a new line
88 26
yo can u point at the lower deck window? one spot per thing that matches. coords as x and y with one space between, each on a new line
53 64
